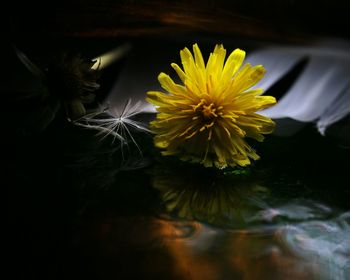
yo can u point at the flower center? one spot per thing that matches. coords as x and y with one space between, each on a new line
208 111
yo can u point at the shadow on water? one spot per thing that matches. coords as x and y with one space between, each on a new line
78 210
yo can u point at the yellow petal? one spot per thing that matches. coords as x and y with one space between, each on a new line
196 75
233 63
179 72
169 85
216 62
198 57
258 72
252 103
187 61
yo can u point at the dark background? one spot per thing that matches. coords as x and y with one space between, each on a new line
47 24
59 221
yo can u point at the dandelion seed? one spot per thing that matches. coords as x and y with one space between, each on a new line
118 124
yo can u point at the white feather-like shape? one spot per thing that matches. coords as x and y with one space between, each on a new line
318 86
278 62
321 92
336 111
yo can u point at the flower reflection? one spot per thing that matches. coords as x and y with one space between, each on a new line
210 196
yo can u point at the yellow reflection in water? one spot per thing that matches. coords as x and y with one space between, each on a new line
206 195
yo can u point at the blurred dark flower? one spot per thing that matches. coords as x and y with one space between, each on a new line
73 80
69 82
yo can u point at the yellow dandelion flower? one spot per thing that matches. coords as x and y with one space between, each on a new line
207 118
